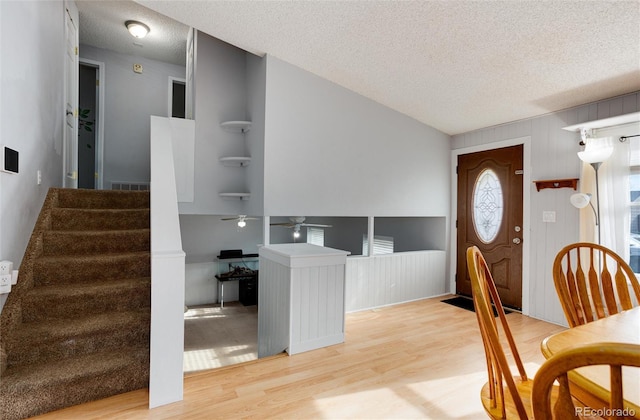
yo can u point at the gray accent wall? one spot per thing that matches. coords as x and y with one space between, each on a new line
553 156
332 152
130 99
31 115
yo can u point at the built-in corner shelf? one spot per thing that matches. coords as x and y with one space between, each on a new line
557 183
235 160
238 196
236 126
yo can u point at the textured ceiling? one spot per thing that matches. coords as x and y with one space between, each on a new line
454 65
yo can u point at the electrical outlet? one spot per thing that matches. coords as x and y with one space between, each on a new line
6 268
137 68
549 216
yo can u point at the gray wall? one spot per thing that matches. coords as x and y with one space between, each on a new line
220 95
332 152
130 99
31 115
553 156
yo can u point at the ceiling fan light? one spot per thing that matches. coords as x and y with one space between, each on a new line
137 29
242 223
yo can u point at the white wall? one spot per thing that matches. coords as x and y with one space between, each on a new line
553 156
130 99
332 152
256 79
31 114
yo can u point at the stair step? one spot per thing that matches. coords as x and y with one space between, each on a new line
50 270
102 199
36 389
96 242
99 219
75 300
59 339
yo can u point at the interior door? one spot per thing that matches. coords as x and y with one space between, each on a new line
70 178
490 195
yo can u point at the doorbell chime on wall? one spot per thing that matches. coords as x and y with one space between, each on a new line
9 160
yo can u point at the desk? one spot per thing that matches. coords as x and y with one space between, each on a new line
594 380
237 269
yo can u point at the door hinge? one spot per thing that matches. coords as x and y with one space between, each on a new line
456 170
76 50
519 172
455 277
456 224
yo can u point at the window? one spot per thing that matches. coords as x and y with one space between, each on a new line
315 236
381 245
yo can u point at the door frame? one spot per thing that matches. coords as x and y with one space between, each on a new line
526 221
100 126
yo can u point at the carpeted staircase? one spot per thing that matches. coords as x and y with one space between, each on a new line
76 326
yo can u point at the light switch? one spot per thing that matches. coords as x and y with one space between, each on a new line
549 216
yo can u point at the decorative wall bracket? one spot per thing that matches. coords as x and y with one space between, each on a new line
557 183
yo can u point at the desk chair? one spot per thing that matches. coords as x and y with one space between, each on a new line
592 282
615 355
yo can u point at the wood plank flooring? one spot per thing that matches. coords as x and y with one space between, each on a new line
421 359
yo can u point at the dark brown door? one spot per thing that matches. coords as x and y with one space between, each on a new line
490 217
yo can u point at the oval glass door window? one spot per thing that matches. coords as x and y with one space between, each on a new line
488 206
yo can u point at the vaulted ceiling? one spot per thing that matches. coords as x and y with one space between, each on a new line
456 65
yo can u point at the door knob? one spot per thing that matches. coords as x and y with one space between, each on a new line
516 241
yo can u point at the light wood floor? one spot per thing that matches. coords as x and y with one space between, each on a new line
417 360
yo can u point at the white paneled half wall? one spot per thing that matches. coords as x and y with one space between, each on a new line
384 280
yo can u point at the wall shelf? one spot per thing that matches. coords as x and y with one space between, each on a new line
235 160
557 183
235 195
236 126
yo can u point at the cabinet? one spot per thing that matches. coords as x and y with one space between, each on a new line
302 304
241 127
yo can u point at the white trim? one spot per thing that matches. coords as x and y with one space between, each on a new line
526 217
99 166
170 94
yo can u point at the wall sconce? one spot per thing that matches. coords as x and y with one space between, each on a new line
595 152
137 29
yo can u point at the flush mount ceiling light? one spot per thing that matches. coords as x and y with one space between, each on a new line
137 29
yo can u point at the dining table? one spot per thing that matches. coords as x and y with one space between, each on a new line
590 384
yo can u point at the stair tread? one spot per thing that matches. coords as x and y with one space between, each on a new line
52 329
92 257
18 378
54 232
71 290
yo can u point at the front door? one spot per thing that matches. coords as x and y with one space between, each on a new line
490 217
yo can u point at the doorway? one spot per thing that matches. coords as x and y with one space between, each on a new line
90 124
490 216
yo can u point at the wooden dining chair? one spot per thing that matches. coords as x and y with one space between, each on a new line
592 282
500 402
558 367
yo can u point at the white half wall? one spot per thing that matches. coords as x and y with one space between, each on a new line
332 152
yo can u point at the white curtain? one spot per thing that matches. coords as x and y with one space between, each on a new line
614 192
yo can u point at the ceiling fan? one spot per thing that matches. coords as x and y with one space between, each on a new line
241 218
296 223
